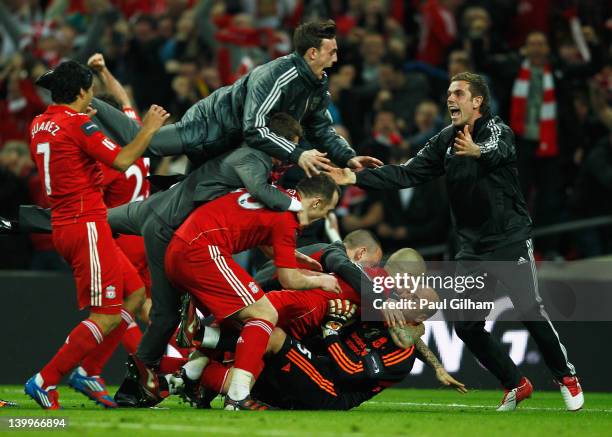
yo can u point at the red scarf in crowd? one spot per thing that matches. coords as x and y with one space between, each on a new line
548 112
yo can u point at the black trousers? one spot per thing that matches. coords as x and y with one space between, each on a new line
519 277
137 219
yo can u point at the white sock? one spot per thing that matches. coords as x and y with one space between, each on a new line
41 382
240 387
211 337
195 366
174 383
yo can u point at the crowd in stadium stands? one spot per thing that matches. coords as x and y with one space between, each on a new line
388 93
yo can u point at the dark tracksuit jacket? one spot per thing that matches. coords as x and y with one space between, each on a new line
487 208
240 112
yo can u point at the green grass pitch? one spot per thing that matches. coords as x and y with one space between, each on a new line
395 412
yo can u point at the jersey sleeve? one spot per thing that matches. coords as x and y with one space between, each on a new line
93 142
283 243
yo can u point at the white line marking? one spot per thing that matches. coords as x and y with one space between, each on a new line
453 405
205 429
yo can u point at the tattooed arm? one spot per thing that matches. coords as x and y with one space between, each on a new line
426 355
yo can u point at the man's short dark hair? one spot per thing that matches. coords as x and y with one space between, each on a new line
478 88
66 81
318 185
286 126
361 238
311 34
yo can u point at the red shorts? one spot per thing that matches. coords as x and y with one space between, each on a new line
300 312
134 249
102 273
209 273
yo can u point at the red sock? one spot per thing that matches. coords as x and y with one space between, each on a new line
214 375
252 345
131 338
170 364
96 359
82 340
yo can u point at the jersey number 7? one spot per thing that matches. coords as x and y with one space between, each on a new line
44 149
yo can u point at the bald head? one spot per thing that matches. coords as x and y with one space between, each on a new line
406 260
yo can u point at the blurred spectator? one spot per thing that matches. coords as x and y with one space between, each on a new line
147 73
540 85
438 30
591 198
344 105
359 210
413 217
372 53
427 121
385 137
15 164
400 92
20 102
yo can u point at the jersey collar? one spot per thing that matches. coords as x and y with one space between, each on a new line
306 73
61 108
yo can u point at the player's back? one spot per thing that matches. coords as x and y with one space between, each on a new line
71 178
236 222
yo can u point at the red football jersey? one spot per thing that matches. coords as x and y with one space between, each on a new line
236 222
121 188
67 148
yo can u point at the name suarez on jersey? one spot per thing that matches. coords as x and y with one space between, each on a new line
48 126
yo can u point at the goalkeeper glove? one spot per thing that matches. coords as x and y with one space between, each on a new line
339 312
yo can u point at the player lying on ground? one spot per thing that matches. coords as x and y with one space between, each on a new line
300 314
356 363
67 146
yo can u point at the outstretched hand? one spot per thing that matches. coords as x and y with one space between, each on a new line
359 162
342 176
447 380
312 161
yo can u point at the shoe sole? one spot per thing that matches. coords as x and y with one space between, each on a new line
84 393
